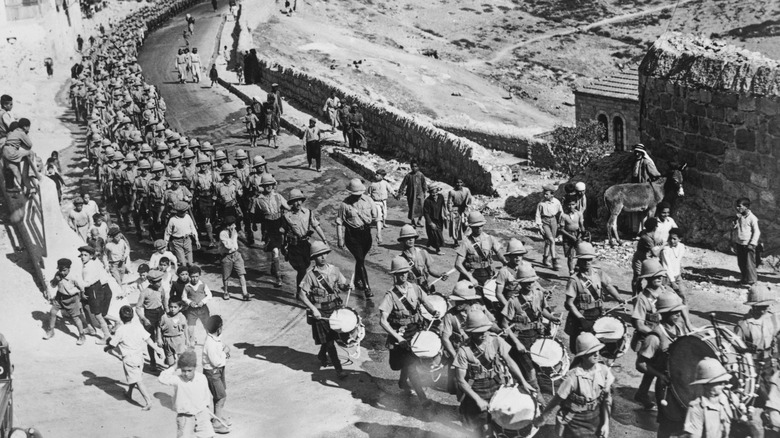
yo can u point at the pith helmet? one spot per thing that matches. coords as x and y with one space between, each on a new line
652 268
144 164
204 159
267 179
408 231
161 146
241 155
226 169
669 302
146 149
174 154
158 166
587 343
130 158
580 186
526 274
356 187
585 251
318 248
475 219
206 147
188 154
220 155
175 176
464 291
295 195
194 143
515 247
399 265
258 160
118 156
477 322
710 370
759 295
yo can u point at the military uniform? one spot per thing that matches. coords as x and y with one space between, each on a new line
227 195
523 313
204 189
156 201
587 289
583 393
299 225
418 260
477 253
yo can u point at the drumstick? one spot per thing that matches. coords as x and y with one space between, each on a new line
451 271
351 286
621 305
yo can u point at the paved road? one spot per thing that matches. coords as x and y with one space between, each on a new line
275 386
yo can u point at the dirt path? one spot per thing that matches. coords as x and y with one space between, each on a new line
506 52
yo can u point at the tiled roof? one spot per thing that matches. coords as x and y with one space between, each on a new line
624 85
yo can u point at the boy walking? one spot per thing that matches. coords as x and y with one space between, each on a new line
191 397
215 356
571 226
671 259
66 299
196 295
150 309
379 190
548 213
745 237
172 332
130 339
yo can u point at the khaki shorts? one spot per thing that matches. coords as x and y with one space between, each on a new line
194 426
231 262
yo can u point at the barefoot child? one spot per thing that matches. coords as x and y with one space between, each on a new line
191 397
130 339
65 297
379 190
571 226
548 214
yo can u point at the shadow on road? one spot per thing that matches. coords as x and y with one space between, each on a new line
360 384
43 318
629 413
110 386
383 430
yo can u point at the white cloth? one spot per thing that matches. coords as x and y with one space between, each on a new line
93 271
671 260
188 397
213 353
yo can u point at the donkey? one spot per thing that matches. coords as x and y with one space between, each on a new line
641 197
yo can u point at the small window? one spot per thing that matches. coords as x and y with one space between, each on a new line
617 128
604 124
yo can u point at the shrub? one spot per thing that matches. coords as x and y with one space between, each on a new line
575 147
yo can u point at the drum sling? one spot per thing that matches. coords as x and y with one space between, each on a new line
579 416
591 313
419 278
487 382
328 304
400 355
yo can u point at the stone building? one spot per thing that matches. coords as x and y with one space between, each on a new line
614 103
716 107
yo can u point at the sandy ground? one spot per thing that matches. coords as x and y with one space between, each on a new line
539 49
275 388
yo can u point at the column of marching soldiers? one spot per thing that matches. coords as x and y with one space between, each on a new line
494 336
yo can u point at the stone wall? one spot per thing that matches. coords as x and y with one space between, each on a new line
588 107
492 137
716 107
391 131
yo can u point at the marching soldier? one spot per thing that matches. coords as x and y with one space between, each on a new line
189 168
522 316
474 257
140 201
418 259
300 224
585 294
242 175
506 278
254 188
758 330
483 365
204 189
652 358
319 291
226 194
585 396
156 199
125 190
267 209
711 414
399 315
176 193
353 229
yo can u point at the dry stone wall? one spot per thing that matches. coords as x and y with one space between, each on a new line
716 107
391 131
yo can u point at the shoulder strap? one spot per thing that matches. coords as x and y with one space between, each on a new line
589 286
404 301
415 269
322 282
478 248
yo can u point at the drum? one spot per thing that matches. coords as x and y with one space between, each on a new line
348 324
513 411
438 302
612 333
427 347
550 356
686 352
489 290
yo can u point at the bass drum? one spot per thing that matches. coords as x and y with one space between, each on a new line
512 412
686 352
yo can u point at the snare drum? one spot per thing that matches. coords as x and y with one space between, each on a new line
427 347
612 333
512 412
438 302
489 290
686 352
551 357
349 326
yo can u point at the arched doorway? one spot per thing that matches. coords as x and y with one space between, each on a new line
617 131
604 124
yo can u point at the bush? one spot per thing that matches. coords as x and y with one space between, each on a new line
575 147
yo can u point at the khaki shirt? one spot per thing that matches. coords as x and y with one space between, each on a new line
708 418
302 221
357 214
